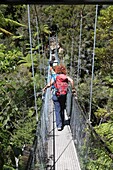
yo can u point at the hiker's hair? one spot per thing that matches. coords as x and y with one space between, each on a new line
60 69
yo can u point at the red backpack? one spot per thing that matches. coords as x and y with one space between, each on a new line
61 84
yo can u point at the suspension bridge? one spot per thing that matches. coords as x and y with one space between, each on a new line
53 149
68 149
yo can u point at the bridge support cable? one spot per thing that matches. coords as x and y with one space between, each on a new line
39 43
30 39
38 39
91 86
79 55
43 55
67 53
56 50
72 46
50 54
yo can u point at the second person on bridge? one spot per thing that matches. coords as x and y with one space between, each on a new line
60 82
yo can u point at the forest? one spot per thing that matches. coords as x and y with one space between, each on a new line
18 119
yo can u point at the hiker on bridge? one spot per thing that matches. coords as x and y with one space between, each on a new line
53 63
60 82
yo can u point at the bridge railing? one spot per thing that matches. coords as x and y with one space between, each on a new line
86 140
38 154
78 124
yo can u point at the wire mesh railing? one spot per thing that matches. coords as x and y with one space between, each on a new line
77 123
89 145
38 154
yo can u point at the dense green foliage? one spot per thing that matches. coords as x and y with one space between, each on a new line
17 113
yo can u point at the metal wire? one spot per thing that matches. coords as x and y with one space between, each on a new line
38 38
79 55
56 50
72 47
91 86
30 39
85 137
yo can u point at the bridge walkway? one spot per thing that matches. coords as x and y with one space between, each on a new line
62 153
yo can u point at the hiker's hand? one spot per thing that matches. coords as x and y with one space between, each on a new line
73 90
44 89
74 93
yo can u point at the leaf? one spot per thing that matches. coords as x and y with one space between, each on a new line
7 20
5 31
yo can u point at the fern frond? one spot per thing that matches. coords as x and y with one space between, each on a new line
5 31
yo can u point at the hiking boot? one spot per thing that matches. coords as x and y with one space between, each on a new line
59 128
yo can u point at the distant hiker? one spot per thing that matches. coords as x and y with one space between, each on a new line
60 83
52 68
53 63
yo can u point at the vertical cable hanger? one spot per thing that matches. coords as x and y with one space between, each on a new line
38 38
49 48
43 57
56 50
30 39
72 46
50 58
67 54
39 49
42 52
91 86
79 55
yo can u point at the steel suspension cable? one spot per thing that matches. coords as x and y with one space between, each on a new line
50 58
30 39
38 38
56 51
43 55
79 55
50 49
72 47
91 86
